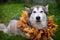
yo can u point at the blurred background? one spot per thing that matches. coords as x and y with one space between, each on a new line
10 9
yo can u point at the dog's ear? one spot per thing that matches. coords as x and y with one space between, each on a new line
28 9
46 8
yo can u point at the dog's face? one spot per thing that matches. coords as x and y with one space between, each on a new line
38 16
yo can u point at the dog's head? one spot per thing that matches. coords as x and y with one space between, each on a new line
37 15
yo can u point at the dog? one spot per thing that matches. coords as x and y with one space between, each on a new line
37 17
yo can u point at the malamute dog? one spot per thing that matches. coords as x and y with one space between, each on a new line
37 18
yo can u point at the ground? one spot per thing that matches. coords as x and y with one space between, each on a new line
10 11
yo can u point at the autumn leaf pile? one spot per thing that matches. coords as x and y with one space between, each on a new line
33 33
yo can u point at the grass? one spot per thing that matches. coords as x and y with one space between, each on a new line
12 37
10 11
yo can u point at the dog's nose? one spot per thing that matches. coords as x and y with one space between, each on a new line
38 18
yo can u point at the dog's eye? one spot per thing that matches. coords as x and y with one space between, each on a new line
41 11
34 11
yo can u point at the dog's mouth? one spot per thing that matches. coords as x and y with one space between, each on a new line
38 21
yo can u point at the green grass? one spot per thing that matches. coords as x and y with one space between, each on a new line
11 37
10 11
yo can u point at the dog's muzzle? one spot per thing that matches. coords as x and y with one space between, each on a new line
38 19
